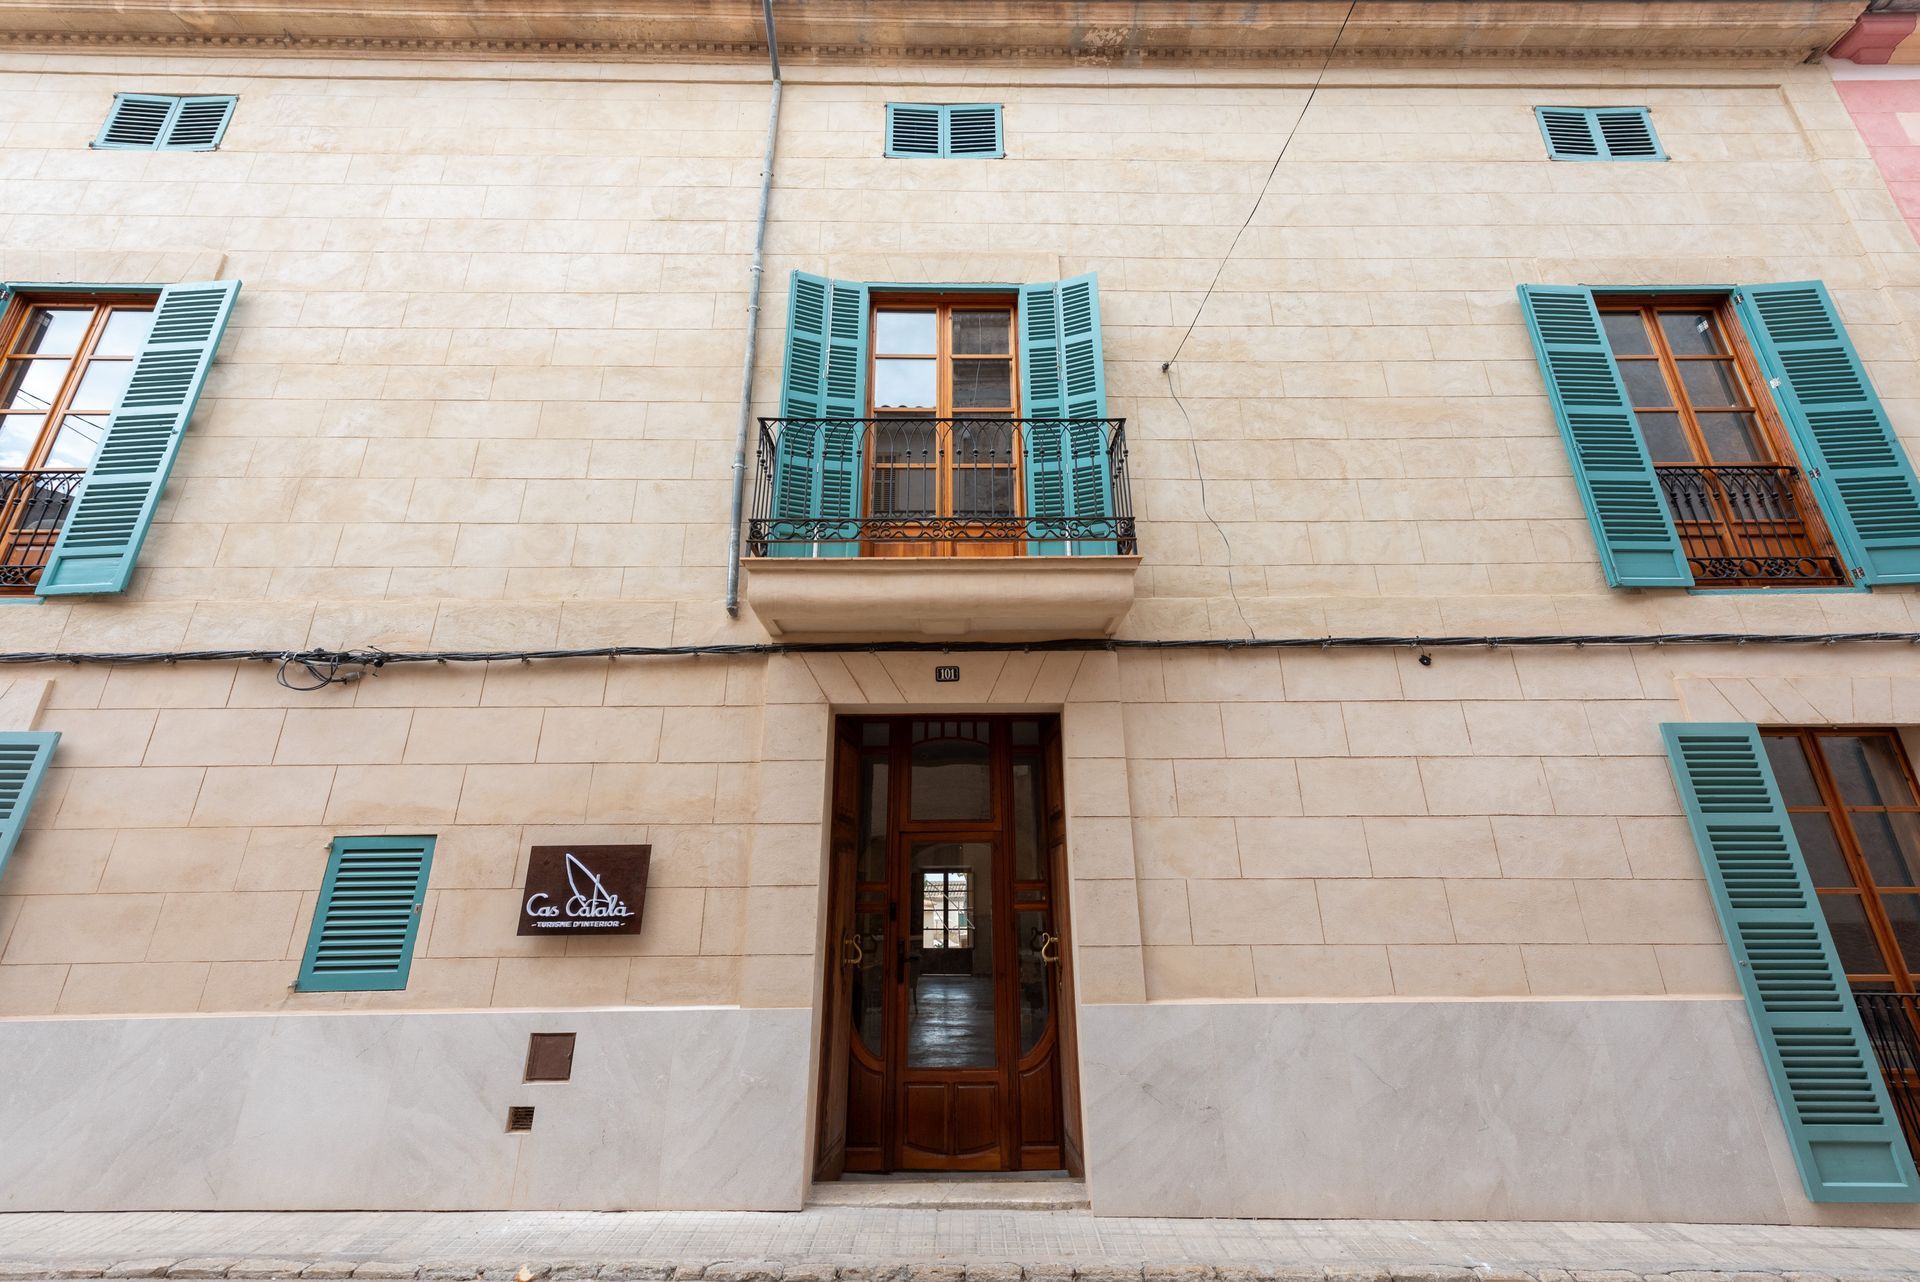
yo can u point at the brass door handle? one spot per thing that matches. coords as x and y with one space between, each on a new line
1049 948
851 953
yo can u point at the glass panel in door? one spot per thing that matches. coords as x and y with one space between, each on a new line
950 963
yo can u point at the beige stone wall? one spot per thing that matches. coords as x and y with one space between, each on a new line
480 392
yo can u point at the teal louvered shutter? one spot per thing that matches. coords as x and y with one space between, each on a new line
198 124
914 129
368 914
1569 133
135 122
1063 397
960 130
973 131
116 500
1845 1135
819 453
1632 524
23 761
1864 478
1599 133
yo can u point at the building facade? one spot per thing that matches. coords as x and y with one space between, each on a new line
1325 609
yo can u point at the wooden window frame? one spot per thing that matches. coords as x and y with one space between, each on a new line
1774 438
13 326
21 546
944 305
1839 814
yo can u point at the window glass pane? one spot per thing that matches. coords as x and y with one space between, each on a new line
904 383
905 333
53 331
1732 438
1852 938
869 979
1036 979
102 384
984 442
903 491
79 440
1890 844
1711 383
1626 333
1866 770
951 779
32 385
1646 385
125 331
982 383
18 432
982 333
983 492
1904 912
1791 769
950 1015
909 442
1821 847
1691 333
1029 825
870 863
1666 439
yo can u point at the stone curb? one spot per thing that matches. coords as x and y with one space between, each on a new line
271 1270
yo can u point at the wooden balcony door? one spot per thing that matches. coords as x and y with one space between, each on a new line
64 362
1740 501
948 1029
944 451
1855 806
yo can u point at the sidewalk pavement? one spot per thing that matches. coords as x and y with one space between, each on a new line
880 1244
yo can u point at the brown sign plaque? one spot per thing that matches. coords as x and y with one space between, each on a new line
596 890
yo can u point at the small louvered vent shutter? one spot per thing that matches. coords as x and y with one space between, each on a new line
1569 133
1599 133
368 915
199 124
135 121
963 130
1627 135
116 500
1845 1136
913 130
973 131
1866 482
1631 521
23 761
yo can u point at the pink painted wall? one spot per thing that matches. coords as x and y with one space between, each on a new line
1887 113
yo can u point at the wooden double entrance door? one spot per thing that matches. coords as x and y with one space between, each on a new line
948 1029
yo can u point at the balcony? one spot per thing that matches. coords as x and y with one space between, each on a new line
941 527
1892 1021
33 508
1746 525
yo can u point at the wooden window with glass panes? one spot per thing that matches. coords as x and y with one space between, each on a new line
944 450
67 361
1856 813
1741 504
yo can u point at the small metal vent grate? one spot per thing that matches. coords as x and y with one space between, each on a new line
520 1118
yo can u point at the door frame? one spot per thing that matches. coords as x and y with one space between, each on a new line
827 1149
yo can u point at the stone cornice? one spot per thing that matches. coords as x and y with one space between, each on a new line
1031 32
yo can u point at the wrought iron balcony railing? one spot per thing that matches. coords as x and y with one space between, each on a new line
1747 524
1893 1027
33 507
941 486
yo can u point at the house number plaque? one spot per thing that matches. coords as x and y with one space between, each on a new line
584 889
947 673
